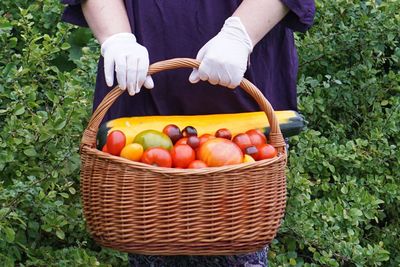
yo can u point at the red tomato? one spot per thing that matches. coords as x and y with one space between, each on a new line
104 149
115 142
223 133
265 151
205 137
157 156
220 152
182 156
197 164
256 137
242 140
182 141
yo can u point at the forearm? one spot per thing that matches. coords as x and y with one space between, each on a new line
260 16
106 17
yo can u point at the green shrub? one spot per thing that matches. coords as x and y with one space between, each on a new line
344 175
45 101
343 180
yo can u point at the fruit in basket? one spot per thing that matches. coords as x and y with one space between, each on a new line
182 156
220 152
247 158
193 141
197 164
256 137
205 137
157 156
133 151
242 140
251 151
153 138
115 142
104 149
173 132
265 151
290 122
189 131
182 141
223 133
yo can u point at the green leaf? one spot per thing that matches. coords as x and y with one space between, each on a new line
65 46
60 234
10 234
19 110
30 152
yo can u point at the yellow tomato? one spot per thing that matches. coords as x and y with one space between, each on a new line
132 151
248 158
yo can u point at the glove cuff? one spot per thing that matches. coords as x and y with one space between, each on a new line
234 28
118 37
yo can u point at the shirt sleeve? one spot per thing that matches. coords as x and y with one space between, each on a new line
73 13
301 14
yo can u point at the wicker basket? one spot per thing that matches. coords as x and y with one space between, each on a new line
138 208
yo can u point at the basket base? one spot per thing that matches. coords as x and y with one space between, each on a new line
214 249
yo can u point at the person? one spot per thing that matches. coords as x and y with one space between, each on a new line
232 39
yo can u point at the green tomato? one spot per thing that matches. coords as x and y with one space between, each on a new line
153 138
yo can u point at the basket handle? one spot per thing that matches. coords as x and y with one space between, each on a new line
275 135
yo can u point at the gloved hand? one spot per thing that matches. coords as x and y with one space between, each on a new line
224 58
131 61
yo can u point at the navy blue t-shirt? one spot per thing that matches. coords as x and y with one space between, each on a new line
179 28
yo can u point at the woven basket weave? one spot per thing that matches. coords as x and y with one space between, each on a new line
138 208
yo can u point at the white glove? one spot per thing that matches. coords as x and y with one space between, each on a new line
131 61
224 58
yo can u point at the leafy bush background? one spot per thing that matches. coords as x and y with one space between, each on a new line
343 183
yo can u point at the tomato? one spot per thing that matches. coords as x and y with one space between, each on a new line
173 132
115 142
153 138
182 141
205 137
193 141
157 156
182 156
189 131
220 152
223 133
265 151
242 140
248 158
251 151
197 164
256 137
104 149
132 151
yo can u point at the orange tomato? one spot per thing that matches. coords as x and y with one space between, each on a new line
220 152
132 151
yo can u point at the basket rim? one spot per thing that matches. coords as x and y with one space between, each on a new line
282 156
